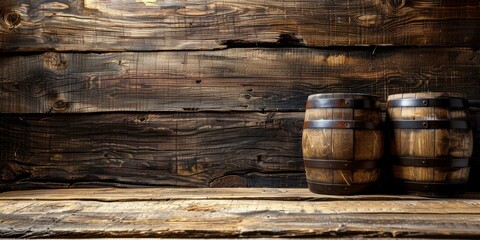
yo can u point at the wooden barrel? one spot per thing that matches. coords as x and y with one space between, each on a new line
430 142
342 142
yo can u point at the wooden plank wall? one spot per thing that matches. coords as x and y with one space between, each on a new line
206 93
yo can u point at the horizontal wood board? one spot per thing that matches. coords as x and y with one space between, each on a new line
128 149
146 25
243 79
206 149
213 213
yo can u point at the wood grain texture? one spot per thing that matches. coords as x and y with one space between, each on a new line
114 25
224 80
215 214
151 149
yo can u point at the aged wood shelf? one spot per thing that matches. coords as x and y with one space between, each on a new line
234 212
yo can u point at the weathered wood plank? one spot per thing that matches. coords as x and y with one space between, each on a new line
151 149
223 216
113 25
223 80
168 194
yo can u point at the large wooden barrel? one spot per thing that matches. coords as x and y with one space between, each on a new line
430 143
342 142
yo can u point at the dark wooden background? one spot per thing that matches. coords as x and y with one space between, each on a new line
206 93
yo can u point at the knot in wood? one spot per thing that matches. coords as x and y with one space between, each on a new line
61 106
11 19
55 61
395 4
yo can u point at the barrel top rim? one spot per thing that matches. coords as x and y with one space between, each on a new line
332 95
428 95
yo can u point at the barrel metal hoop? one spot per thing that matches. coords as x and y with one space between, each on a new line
446 188
430 124
340 164
339 189
433 162
342 124
429 102
343 103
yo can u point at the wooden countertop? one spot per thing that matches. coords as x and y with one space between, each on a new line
232 212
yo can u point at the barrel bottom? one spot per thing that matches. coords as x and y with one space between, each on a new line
342 176
341 181
431 181
340 189
429 189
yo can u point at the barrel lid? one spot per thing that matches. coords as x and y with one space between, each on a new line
342 95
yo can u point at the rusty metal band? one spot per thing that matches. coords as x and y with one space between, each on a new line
433 162
430 124
340 164
434 189
429 102
338 189
342 124
343 103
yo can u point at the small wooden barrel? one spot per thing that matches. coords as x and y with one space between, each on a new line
342 142
431 142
